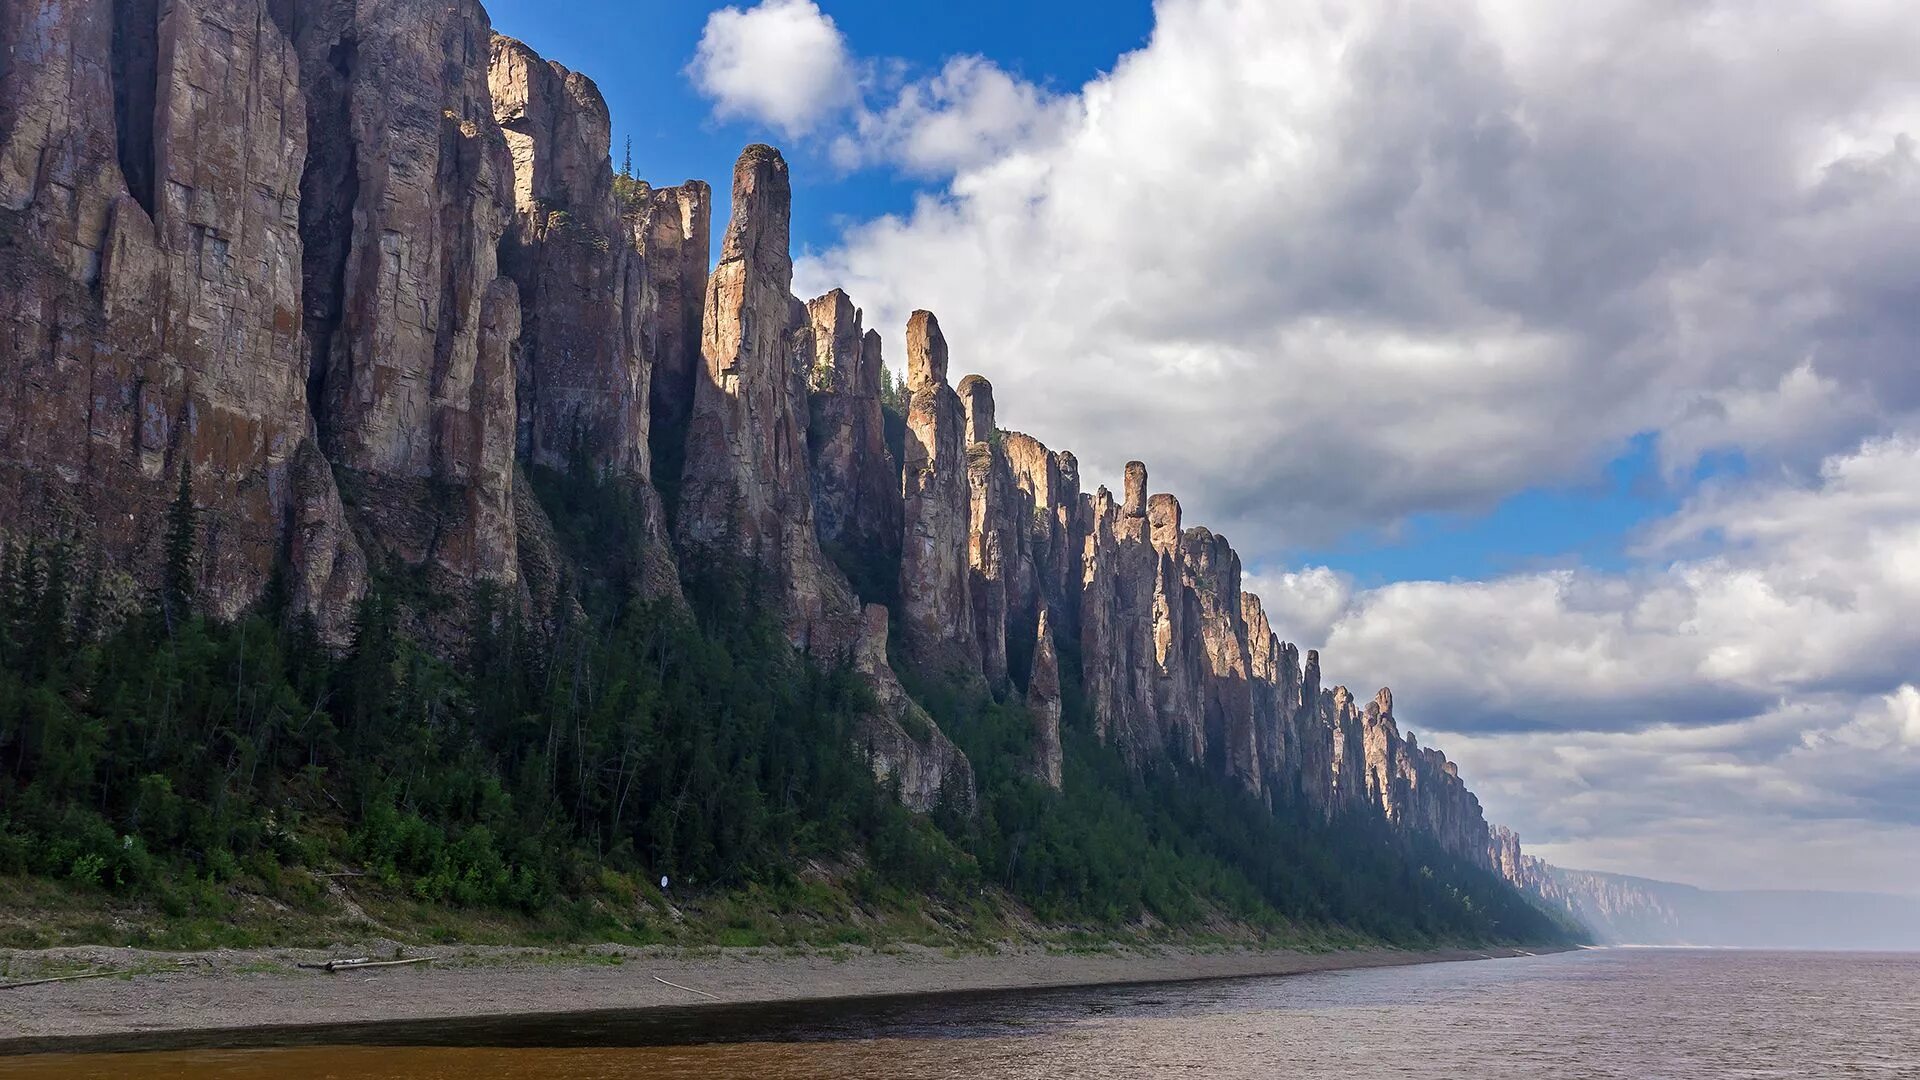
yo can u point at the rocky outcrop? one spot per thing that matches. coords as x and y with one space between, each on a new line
1212 578
934 573
1313 739
150 291
584 374
746 493
411 331
589 301
747 490
992 530
672 230
1273 697
1044 700
856 481
905 748
350 264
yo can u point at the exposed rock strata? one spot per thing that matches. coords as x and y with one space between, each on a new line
150 291
412 332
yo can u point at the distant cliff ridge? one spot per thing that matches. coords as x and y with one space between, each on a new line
350 265
1622 910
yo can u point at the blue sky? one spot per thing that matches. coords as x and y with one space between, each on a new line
1553 365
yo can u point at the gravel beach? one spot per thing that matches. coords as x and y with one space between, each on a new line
248 990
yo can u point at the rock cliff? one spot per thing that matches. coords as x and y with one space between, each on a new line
579 257
361 268
856 481
935 591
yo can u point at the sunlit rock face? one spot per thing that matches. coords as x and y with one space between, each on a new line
746 492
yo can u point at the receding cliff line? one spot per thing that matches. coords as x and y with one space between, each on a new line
361 269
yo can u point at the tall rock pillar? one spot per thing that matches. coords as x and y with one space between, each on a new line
934 573
745 493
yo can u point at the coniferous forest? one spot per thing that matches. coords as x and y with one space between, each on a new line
555 768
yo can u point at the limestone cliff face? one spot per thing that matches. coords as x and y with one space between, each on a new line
411 331
1273 687
672 230
1212 577
993 539
902 743
585 374
1123 573
1046 571
934 572
150 287
590 306
1043 698
747 489
856 481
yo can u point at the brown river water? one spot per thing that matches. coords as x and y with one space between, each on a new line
1631 1014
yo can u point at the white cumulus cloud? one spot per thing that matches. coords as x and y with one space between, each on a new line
1327 265
781 62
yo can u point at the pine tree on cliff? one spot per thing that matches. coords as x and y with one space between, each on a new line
176 583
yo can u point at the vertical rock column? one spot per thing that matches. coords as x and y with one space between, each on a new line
991 538
1314 736
412 332
746 492
934 573
1178 652
1268 699
589 304
1043 700
672 229
1212 575
856 482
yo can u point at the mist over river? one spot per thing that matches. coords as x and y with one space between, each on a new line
1628 1013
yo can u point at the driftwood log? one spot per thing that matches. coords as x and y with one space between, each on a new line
361 963
688 989
57 979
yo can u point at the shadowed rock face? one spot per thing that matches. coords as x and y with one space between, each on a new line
856 482
585 375
278 244
1043 698
589 300
150 295
672 230
412 331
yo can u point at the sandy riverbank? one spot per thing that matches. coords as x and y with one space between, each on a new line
254 989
